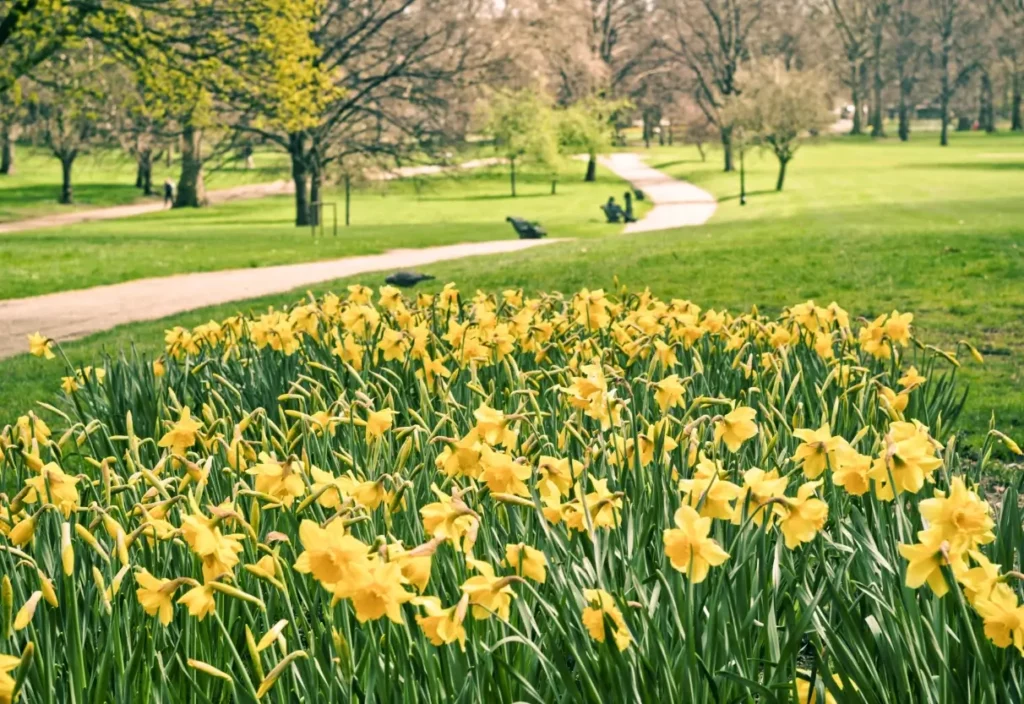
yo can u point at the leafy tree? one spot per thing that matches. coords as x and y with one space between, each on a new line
139 122
523 129
588 126
12 112
776 107
67 106
330 79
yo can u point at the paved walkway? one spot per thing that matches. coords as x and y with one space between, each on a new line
69 315
676 203
223 195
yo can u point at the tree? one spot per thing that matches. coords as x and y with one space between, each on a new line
906 29
521 125
1010 42
776 107
11 113
852 20
955 24
712 38
327 80
698 130
139 123
878 17
31 31
67 106
589 126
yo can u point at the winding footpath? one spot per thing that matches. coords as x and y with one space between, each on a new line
676 203
70 315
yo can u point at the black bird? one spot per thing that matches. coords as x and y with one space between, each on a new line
406 279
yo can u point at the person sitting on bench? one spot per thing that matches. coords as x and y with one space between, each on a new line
612 212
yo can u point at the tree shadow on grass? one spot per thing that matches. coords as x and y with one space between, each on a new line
1007 165
677 162
491 196
750 194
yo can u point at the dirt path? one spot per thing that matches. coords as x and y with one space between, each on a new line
676 203
70 315
224 195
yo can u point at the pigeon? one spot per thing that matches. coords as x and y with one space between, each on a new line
407 278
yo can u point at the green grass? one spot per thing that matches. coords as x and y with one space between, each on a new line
106 177
463 207
874 226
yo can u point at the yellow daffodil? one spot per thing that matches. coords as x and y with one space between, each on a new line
688 546
736 427
600 605
182 434
801 518
378 423
1003 616
526 561
814 452
488 594
442 626
40 346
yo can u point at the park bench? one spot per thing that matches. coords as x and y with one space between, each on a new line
525 229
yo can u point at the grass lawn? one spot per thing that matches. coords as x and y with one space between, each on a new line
874 226
106 177
422 212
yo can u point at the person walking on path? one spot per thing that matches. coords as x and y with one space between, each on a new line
168 193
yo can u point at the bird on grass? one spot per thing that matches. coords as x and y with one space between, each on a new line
406 279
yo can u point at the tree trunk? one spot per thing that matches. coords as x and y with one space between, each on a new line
145 159
591 169
647 130
138 173
67 193
7 151
348 200
857 100
191 189
1016 123
781 180
904 128
315 184
300 176
700 150
944 117
727 148
512 175
877 113
169 155
986 111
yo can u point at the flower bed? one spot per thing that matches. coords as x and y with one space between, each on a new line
493 498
